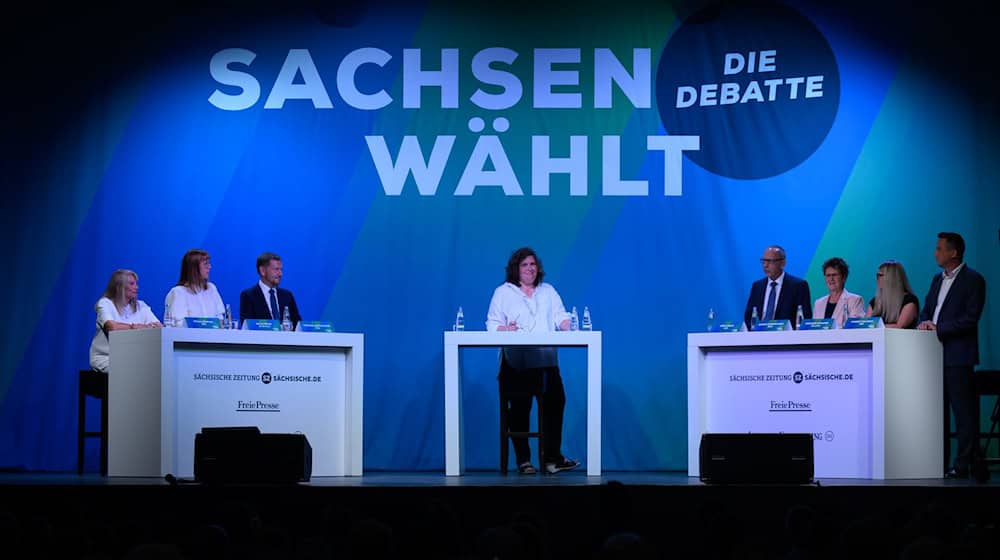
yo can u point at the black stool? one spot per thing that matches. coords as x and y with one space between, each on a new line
987 382
92 384
505 432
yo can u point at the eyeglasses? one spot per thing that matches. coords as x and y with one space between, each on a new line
769 261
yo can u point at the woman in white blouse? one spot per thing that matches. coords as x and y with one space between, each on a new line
194 295
118 309
525 303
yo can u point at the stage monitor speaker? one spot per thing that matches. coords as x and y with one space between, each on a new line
243 454
756 458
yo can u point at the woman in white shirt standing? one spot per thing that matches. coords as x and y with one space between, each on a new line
525 303
194 295
118 309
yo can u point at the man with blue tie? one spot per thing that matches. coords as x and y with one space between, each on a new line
265 300
778 295
952 309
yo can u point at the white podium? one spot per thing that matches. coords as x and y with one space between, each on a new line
165 385
453 341
871 398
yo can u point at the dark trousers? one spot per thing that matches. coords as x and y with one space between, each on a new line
518 385
960 392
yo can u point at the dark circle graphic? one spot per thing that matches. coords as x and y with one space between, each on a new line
265 377
758 120
797 377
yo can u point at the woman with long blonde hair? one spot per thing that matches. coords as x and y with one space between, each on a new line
118 308
894 299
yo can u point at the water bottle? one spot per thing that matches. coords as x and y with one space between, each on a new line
711 319
574 320
754 318
227 317
587 325
460 319
286 320
168 318
798 317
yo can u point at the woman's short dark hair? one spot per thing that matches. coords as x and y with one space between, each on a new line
514 266
191 270
837 263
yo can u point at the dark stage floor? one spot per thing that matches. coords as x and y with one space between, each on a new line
481 479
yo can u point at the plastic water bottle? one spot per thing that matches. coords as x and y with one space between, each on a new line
227 317
460 319
168 318
798 317
286 320
711 319
754 318
574 320
587 325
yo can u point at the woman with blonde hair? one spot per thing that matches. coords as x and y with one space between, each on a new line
894 299
194 295
118 309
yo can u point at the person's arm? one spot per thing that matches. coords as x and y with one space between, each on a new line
244 306
747 312
149 318
496 319
856 307
220 307
559 314
293 308
906 316
805 299
927 313
964 322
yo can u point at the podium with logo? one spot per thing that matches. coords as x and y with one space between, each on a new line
871 398
165 385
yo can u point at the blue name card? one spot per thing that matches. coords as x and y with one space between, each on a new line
725 326
203 322
863 323
817 325
775 325
316 326
262 325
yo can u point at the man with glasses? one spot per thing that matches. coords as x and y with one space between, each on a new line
778 295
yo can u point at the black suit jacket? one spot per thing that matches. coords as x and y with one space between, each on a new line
794 292
958 322
254 306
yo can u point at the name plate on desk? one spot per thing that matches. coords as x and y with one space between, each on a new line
262 325
863 323
725 326
775 325
316 326
203 322
817 325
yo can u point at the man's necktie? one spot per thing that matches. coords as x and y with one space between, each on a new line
274 306
769 308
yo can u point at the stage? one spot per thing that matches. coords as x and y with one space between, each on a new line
429 513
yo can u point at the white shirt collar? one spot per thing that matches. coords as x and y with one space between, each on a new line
780 280
266 289
946 276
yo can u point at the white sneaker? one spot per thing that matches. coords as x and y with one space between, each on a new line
563 465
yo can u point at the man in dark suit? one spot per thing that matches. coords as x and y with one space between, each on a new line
777 295
952 308
265 300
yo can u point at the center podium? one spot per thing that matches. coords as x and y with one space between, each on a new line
456 340
165 385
